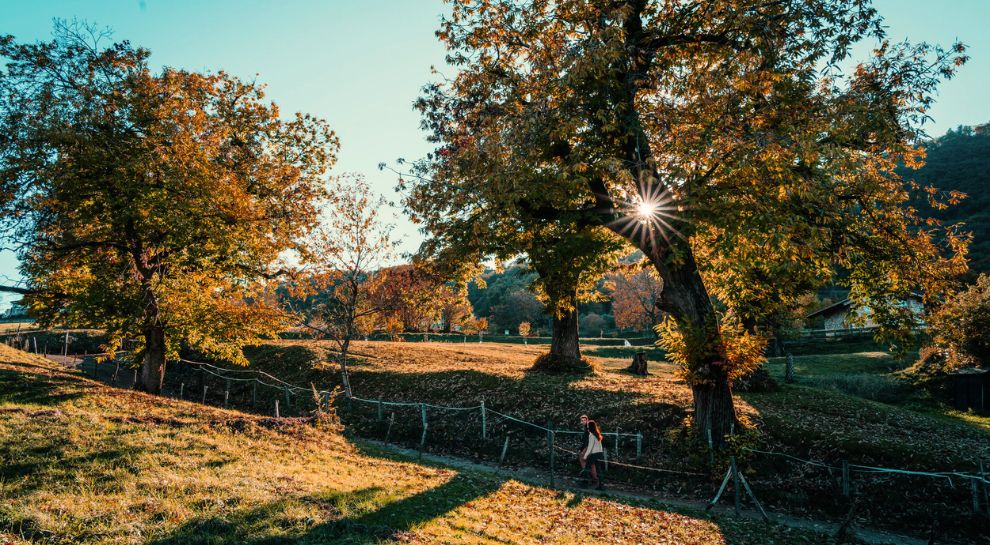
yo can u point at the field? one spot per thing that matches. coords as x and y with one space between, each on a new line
844 407
81 462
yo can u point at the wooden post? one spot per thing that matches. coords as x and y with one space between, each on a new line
288 402
65 352
845 478
735 484
616 443
182 390
134 384
422 438
205 388
789 369
226 394
550 442
725 482
116 370
391 420
254 393
639 446
381 414
711 448
484 421
986 495
35 339
975 489
276 410
505 450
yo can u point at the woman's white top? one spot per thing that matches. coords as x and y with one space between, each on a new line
594 446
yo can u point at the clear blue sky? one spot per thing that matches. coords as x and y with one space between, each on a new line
360 63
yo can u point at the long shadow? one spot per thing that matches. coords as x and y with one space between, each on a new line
32 387
352 520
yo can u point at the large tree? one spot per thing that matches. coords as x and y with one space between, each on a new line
682 125
150 204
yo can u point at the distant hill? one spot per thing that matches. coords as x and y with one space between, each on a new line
960 160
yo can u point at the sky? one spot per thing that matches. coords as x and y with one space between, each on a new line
360 63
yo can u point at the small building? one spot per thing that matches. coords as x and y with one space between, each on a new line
845 315
969 389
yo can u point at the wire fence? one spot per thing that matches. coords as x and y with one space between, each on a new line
487 433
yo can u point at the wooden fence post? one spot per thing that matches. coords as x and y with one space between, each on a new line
226 394
550 445
789 369
735 483
975 489
422 438
288 401
182 390
254 393
276 410
484 421
505 450
639 445
205 388
845 478
381 414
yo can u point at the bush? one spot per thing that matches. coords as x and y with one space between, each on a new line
960 332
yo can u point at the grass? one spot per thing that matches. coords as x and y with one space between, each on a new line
832 414
81 462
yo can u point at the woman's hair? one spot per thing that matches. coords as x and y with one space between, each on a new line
593 428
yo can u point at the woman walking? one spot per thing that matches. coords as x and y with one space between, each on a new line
593 455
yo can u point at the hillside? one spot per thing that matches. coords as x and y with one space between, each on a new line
960 161
848 407
81 462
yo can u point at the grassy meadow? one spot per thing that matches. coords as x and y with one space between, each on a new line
853 407
82 462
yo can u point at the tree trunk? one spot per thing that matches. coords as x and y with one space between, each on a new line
153 365
565 350
639 365
564 346
345 378
685 298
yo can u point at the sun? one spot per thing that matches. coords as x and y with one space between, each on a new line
645 210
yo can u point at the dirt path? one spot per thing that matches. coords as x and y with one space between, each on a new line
694 508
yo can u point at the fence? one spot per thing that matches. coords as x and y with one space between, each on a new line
483 432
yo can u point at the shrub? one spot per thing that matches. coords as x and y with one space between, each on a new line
960 332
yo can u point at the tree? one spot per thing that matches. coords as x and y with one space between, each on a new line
150 205
524 328
687 126
961 329
518 305
343 288
635 298
413 295
570 261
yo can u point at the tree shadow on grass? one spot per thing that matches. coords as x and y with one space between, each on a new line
29 386
365 516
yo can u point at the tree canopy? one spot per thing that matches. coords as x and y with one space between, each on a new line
720 138
151 205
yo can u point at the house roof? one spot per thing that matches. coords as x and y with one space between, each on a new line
834 306
845 303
